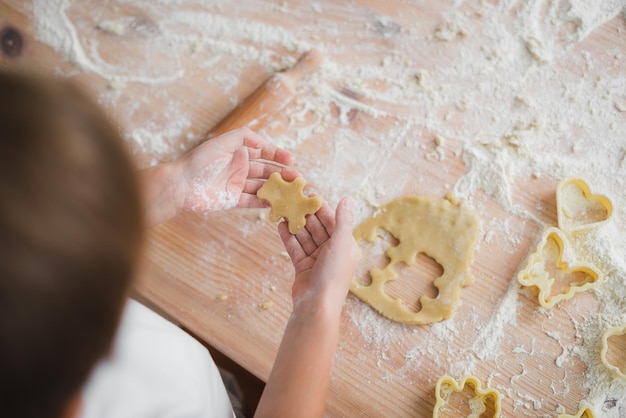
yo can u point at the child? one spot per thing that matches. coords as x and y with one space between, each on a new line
72 212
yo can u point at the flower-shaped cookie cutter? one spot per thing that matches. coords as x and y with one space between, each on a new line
583 413
578 209
535 274
446 385
611 332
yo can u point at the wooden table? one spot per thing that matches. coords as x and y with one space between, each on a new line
404 105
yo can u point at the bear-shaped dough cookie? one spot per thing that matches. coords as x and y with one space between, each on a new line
288 201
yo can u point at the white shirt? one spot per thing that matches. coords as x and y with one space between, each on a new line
156 370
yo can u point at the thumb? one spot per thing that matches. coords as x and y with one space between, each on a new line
342 239
344 217
240 158
343 245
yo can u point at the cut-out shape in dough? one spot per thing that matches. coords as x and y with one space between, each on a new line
288 201
583 413
579 209
548 269
442 229
617 331
446 385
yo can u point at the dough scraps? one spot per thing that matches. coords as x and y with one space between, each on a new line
288 201
442 229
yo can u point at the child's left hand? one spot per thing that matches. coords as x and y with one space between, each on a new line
228 170
222 173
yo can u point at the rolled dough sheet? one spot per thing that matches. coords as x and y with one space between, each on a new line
442 229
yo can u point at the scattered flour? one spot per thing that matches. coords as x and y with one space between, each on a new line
55 28
486 96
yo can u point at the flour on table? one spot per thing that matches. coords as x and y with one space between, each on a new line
502 94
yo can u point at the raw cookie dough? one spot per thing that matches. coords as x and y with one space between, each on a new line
288 201
441 228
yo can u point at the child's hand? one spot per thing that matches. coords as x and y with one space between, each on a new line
228 170
324 255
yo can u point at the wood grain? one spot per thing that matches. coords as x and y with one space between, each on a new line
381 368
270 98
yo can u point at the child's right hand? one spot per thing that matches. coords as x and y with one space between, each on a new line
324 255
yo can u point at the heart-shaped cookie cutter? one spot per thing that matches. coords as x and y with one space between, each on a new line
470 381
534 275
612 332
578 209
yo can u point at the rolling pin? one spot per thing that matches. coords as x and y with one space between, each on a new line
268 99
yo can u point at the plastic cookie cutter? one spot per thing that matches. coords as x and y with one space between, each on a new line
612 332
483 398
578 209
443 229
551 271
583 413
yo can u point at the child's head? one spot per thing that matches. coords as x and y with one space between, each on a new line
70 233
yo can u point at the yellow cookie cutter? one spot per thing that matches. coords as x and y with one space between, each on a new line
613 331
566 203
472 382
533 273
583 413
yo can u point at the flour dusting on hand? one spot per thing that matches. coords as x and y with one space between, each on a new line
209 191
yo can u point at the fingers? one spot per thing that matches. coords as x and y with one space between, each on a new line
342 238
306 240
316 230
253 184
326 215
262 170
272 153
238 137
258 147
304 246
293 247
290 175
344 217
315 224
251 201
238 164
